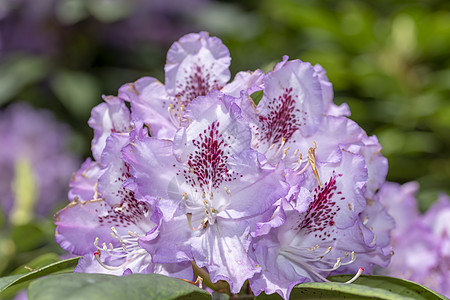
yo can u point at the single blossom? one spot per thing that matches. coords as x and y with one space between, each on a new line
196 65
326 236
211 189
106 219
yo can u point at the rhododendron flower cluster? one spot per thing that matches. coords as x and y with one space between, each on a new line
192 174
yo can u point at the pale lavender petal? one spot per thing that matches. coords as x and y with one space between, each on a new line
249 82
438 217
292 102
266 184
172 243
110 116
80 223
334 134
376 218
222 249
83 182
377 165
150 103
328 95
401 204
196 64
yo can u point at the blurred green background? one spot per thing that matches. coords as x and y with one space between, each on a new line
389 60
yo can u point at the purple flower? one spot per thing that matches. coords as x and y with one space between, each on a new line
33 143
207 180
278 193
106 218
421 242
329 220
326 236
196 65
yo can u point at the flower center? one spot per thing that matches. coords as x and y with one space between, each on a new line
128 251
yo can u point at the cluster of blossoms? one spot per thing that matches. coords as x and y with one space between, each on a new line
32 143
421 242
192 175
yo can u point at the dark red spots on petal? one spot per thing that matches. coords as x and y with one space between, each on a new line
321 212
208 162
129 210
283 118
197 82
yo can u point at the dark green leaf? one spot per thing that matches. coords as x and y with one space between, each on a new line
400 286
9 281
366 287
102 286
257 96
35 237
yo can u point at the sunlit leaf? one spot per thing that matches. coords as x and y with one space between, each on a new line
12 280
365 287
101 286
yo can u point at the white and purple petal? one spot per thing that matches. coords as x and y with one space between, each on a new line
196 64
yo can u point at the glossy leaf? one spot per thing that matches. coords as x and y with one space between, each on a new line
365 287
12 280
101 286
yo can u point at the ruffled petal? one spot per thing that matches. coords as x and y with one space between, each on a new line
150 103
110 116
83 182
249 82
196 64
222 250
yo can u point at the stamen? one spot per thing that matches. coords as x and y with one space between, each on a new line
312 161
189 218
112 268
184 197
285 152
372 243
366 219
360 270
227 190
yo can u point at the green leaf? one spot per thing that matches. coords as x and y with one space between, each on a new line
12 280
35 237
18 71
400 286
257 96
365 287
37 263
101 286
77 91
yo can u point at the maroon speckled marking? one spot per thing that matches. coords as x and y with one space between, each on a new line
283 118
197 82
208 162
129 211
319 218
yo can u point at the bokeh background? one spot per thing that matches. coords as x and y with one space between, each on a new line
389 60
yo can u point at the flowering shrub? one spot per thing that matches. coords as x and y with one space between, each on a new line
262 178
